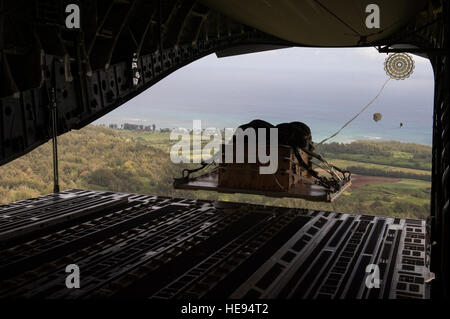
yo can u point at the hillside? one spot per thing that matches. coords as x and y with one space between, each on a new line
392 178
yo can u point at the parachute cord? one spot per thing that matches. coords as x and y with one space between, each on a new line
365 108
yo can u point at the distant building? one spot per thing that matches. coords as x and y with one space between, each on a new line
135 127
131 127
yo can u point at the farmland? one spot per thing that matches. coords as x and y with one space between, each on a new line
391 178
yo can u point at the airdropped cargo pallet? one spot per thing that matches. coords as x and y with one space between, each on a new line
289 180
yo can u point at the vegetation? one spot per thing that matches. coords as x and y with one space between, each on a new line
138 162
393 153
388 172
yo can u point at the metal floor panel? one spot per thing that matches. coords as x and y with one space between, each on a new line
140 246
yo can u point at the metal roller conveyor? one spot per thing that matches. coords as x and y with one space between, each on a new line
150 247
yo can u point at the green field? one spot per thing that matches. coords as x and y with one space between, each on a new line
392 153
139 162
345 164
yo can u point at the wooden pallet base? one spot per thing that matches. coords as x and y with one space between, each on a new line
311 192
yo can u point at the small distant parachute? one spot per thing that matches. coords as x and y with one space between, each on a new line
377 117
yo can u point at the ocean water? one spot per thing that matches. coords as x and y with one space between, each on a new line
415 129
322 88
324 119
